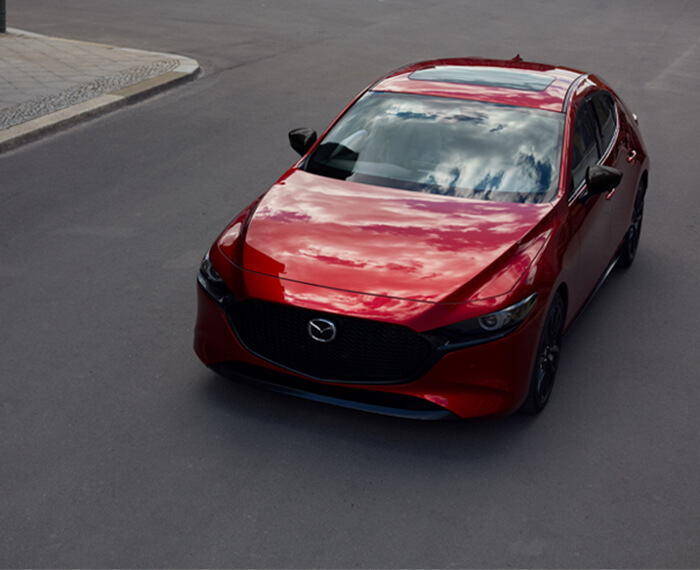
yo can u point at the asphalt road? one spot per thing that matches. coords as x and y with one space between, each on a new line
118 449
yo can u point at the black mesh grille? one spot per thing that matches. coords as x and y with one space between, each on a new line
363 350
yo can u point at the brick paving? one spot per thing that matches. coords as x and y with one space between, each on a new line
40 75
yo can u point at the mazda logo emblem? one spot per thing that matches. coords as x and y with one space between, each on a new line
322 330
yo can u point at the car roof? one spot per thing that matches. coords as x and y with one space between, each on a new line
509 82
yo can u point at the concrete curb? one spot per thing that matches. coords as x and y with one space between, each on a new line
33 129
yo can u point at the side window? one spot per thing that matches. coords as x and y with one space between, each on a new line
585 149
606 118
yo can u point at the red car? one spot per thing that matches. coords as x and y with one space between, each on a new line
427 253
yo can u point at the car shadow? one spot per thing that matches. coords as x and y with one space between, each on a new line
296 419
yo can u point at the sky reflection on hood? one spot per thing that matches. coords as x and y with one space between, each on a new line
388 242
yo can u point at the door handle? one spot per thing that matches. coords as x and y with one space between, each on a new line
610 194
632 156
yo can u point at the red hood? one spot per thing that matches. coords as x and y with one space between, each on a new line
388 242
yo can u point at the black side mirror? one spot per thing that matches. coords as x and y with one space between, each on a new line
302 139
601 179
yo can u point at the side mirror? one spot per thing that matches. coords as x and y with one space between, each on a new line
302 139
602 179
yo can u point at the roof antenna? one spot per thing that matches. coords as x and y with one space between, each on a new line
517 59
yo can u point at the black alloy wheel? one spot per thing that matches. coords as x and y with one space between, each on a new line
631 243
547 361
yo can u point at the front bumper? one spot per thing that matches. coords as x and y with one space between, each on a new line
490 379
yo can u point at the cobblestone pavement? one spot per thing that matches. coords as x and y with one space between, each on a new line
41 76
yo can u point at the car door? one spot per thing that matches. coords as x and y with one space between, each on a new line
589 216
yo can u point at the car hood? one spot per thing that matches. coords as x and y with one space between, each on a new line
382 241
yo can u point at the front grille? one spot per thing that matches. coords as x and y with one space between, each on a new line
363 350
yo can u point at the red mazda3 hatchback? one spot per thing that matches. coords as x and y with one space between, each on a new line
427 253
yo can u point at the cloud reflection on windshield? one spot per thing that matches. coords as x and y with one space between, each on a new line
457 148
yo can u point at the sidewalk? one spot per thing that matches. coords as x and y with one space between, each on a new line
50 83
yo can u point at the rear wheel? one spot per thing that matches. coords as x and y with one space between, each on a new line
631 243
547 361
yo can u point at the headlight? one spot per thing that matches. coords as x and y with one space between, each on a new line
510 317
485 328
212 282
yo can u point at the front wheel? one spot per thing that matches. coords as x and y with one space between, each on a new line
547 361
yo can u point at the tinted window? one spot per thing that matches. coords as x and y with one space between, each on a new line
606 118
452 147
584 151
488 76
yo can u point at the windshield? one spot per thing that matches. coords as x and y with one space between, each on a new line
452 147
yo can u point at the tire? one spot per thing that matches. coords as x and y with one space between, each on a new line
630 245
547 360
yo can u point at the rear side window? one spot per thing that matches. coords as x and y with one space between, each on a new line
584 152
603 106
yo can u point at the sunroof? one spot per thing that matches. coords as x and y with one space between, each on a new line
486 76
